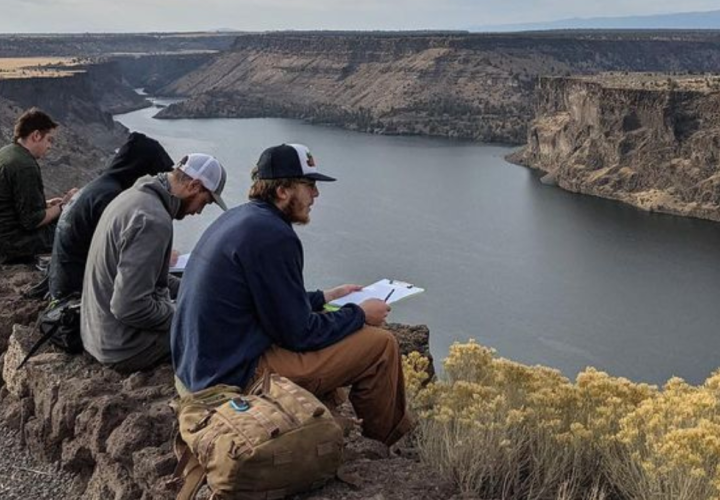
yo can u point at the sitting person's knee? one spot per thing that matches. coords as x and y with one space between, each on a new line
383 339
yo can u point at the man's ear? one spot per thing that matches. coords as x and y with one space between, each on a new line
36 136
282 193
195 186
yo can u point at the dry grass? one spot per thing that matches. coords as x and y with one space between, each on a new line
504 431
36 67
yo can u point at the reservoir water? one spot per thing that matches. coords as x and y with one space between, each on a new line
542 275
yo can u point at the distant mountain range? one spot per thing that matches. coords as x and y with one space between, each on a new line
680 21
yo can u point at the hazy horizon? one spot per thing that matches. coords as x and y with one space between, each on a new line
132 16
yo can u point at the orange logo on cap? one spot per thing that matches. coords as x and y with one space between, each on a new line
310 161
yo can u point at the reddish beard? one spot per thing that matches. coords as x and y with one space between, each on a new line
293 212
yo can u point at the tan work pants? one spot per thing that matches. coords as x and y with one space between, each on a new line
369 362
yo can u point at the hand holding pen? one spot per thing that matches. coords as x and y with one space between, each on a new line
376 311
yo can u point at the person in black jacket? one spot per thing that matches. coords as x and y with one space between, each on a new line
140 155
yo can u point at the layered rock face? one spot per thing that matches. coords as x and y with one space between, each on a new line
82 102
651 146
154 72
84 99
109 87
478 87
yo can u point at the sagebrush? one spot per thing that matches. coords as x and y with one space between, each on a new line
505 431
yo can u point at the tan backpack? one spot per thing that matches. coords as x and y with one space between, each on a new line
275 441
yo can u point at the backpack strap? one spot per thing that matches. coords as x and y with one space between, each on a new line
188 471
66 302
40 342
194 479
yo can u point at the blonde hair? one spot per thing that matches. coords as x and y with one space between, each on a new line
266 189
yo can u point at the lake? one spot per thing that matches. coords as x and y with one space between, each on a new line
542 275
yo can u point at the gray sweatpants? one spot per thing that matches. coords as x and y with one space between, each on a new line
155 354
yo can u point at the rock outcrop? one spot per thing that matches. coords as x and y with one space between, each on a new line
110 90
14 307
469 86
75 101
648 141
114 434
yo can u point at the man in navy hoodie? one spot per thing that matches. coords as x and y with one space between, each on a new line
243 309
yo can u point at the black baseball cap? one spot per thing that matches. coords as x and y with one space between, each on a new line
289 161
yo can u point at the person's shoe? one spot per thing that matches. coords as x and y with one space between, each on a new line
39 290
42 262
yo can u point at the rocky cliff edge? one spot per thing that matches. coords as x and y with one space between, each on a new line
647 140
113 435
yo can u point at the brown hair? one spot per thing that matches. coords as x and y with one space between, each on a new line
266 189
31 120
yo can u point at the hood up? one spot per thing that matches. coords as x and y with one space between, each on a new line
139 156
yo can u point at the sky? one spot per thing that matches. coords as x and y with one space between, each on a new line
78 16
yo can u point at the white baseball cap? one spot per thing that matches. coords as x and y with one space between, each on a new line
207 170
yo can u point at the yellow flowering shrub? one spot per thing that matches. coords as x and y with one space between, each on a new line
673 441
415 367
503 430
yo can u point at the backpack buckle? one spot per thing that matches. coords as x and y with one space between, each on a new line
239 404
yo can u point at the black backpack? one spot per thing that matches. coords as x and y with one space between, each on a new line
60 324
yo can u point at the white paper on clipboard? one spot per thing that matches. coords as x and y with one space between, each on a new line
390 291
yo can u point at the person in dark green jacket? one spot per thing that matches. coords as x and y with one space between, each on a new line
27 219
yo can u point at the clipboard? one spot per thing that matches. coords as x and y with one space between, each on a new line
179 266
388 290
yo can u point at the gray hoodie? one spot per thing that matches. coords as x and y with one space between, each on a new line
126 300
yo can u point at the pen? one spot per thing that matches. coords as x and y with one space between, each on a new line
389 295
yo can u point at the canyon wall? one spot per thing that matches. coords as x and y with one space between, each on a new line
654 148
82 103
84 100
153 72
469 86
459 85
103 44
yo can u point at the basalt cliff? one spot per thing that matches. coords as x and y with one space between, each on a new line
82 80
480 87
81 99
470 86
649 141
